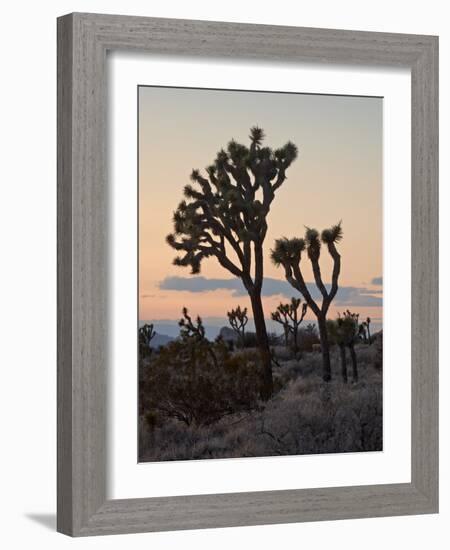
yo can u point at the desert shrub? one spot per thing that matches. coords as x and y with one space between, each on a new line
250 340
365 354
230 344
378 350
198 382
274 339
307 337
304 416
312 418
281 353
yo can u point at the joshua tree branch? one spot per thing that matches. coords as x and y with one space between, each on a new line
221 257
247 256
336 270
220 227
228 264
318 277
301 286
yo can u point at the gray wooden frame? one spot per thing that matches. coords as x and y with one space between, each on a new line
83 40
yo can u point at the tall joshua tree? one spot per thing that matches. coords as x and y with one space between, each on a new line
288 316
288 253
225 216
238 319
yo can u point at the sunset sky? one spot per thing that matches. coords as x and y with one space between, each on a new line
337 176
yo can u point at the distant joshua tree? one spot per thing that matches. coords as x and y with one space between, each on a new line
288 253
344 332
190 330
146 335
238 319
287 316
195 332
362 332
225 217
367 325
310 330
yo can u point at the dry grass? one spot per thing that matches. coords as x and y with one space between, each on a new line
305 416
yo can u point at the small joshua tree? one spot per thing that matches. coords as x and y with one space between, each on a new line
367 325
224 216
146 335
238 319
344 332
288 253
190 330
362 333
281 316
195 333
287 315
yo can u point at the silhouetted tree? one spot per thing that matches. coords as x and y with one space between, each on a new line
362 333
238 319
188 328
344 332
288 253
287 316
194 332
281 316
308 337
350 321
146 335
225 216
367 324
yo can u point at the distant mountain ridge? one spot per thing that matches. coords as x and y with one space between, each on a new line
172 330
160 340
213 325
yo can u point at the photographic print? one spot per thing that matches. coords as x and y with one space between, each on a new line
260 274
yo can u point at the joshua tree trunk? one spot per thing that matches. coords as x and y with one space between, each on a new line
263 344
369 339
243 338
286 337
325 347
354 363
294 336
343 363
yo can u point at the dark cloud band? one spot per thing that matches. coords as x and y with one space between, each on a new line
346 296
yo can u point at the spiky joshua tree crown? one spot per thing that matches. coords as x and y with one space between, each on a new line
228 207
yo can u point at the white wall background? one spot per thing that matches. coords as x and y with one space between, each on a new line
28 271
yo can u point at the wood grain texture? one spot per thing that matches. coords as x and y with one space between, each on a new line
425 272
83 40
64 276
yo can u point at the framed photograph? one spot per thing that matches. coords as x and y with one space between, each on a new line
247 274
